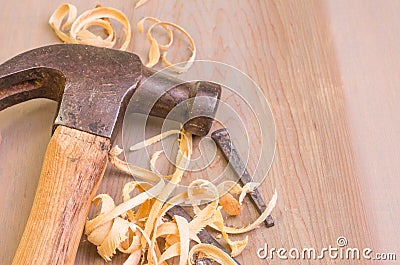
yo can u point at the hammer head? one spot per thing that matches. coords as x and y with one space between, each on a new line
92 84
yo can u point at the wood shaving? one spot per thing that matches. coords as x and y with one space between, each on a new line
229 186
76 29
249 187
140 28
153 160
189 62
230 205
236 246
153 140
211 252
140 3
255 224
156 48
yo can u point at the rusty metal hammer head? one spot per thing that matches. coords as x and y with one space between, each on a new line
94 85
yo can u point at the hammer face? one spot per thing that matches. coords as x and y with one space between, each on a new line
96 86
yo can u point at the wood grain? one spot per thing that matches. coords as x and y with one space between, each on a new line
73 167
330 72
367 41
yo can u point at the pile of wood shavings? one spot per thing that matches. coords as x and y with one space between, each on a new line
137 233
76 30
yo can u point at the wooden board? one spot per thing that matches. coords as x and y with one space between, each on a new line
330 72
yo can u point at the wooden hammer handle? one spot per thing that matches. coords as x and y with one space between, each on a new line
73 167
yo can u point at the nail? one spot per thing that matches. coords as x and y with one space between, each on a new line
222 139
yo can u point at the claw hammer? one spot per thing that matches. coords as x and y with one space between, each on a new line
93 87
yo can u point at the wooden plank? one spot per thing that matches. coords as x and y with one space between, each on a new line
367 39
288 48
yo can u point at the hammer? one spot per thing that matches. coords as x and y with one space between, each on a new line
93 87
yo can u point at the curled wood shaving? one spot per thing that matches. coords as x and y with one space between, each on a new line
79 26
153 140
229 204
189 62
107 238
140 3
133 244
236 246
140 28
116 235
123 207
153 160
131 169
156 48
57 18
154 53
211 252
249 187
255 224
134 258
229 186
201 190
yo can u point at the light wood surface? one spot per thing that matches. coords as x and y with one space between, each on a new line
330 72
73 168
366 42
